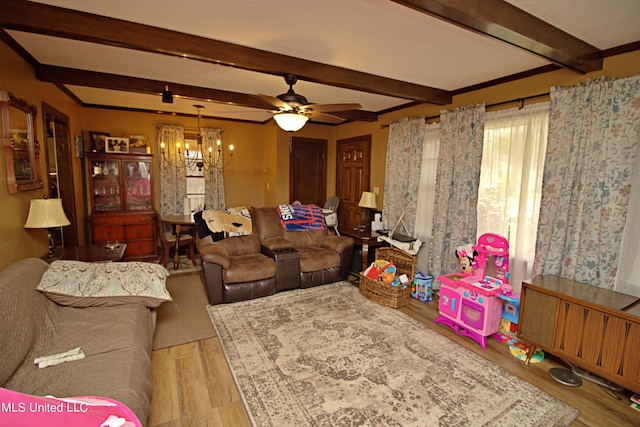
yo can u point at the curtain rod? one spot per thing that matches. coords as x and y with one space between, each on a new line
497 104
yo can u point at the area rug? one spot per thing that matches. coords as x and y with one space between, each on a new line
327 356
185 266
185 318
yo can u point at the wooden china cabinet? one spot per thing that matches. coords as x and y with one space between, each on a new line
121 203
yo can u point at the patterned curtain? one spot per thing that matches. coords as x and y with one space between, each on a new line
173 181
214 197
456 193
594 128
402 172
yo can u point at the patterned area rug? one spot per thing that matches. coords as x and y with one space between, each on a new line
327 356
185 266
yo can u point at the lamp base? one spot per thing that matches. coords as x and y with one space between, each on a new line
52 244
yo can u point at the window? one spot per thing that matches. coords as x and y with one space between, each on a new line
195 179
510 188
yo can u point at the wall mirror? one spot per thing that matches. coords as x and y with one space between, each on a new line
21 147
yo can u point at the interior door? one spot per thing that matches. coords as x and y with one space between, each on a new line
58 151
353 168
308 171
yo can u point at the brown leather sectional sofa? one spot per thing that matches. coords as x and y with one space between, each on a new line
271 259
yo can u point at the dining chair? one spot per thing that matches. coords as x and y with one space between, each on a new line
168 242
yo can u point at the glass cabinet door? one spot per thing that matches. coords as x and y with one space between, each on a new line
105 177
138 184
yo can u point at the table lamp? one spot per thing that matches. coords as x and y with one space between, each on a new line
47 213
368 202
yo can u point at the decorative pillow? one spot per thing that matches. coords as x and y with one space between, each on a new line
83 284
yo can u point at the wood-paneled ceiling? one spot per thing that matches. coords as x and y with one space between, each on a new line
382 54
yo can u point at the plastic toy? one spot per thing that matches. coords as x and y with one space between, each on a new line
466 254
421 288
471 304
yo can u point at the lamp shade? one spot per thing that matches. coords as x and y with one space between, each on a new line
46 213
368 200
290 122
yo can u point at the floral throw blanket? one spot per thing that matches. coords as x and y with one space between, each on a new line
301 217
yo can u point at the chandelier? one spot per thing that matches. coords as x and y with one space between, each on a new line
208 153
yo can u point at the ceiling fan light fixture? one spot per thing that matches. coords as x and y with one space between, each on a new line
291 122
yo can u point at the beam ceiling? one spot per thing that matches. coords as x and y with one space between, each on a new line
495 18
503 21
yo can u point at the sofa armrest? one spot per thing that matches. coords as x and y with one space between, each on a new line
212 274
277 244
336 243
215 254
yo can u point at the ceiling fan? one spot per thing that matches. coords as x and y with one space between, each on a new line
293 110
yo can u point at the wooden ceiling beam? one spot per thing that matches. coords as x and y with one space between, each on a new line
71 76
21 15
503 21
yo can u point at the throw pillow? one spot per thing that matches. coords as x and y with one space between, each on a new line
82 284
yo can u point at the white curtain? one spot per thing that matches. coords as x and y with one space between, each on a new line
426 193
510 188
214 197
173 181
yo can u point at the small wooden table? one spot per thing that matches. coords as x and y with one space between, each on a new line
367 239
93 253
178 221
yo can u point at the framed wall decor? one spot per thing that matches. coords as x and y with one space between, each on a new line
138 144
79 146
116 145
97 140
21 146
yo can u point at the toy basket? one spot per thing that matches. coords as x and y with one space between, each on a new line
381 293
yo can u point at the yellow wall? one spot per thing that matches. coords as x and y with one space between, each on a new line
259 172
17 77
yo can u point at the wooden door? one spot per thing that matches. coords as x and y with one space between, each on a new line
353 168
58 151
308 171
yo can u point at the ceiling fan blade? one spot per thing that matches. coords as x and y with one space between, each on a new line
323 117
327 108
272 100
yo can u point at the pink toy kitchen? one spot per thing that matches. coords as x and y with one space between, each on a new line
470 301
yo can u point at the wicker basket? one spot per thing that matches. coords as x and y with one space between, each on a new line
383 294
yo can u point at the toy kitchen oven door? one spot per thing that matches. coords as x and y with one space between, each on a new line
471 304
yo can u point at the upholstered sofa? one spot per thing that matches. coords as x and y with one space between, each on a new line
323 257
270 259
115 341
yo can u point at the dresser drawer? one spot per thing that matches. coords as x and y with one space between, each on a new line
138 248
139 231
103 234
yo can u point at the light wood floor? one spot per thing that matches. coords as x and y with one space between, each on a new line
192 385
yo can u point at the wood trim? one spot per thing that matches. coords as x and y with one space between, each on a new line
503 21
60 22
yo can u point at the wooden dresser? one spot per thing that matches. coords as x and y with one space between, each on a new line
593 328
